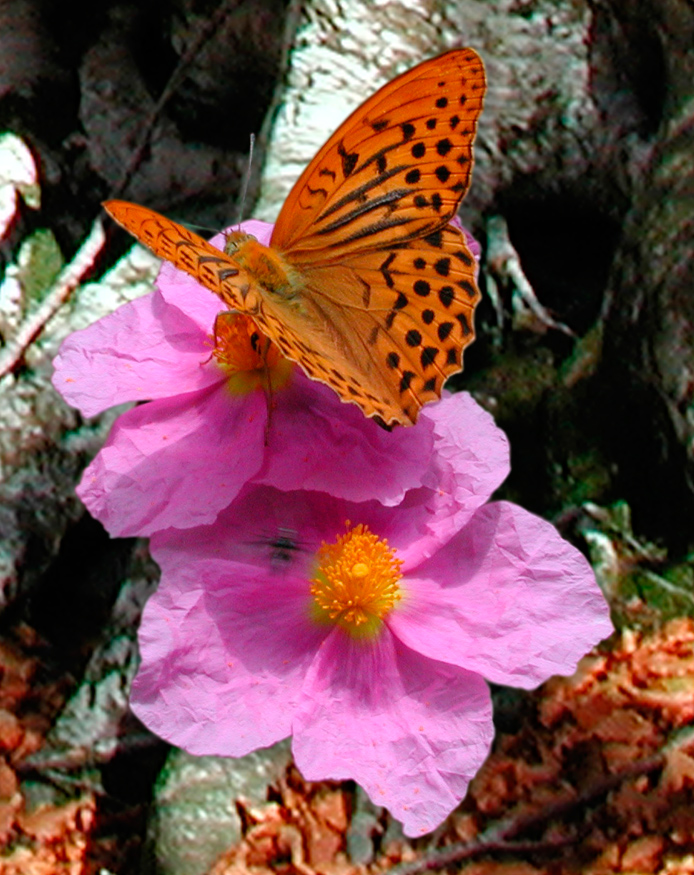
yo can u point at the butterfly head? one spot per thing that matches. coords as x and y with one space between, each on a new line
235 241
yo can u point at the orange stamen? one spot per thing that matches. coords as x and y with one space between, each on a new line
250 360
356 582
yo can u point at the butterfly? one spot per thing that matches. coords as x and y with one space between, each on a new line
365 284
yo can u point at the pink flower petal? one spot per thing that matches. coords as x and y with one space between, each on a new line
143 350
248 529
507 597
471 241
460 474
168 463
412 732
261 513
182 292
212 680
470 460
317 442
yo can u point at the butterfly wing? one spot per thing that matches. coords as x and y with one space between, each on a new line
185 250
366 226
394 323
394 171
302 331
383 288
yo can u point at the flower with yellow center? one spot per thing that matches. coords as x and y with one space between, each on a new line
356 583
373 659
247 356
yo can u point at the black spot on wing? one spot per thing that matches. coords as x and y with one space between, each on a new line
349 160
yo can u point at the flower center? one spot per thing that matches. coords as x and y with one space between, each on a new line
247 356
356 582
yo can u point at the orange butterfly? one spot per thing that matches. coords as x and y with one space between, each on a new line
366 285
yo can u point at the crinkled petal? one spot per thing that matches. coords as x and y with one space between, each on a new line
470 460
175 462
193 300
223 657
317 442
411 731
507 597
144 349
182 291
415 528
277 532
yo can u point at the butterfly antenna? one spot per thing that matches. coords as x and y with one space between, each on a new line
246 181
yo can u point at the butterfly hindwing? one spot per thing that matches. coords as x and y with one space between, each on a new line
407 326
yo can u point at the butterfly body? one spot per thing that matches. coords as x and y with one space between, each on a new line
366 284
270 271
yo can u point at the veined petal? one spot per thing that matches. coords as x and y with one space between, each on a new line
143 350
212 680
471 460
412 732
168 463
506 597
317 442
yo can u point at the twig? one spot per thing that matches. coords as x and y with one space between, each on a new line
291 18
68 280
503 261
211 26
676 591
497 837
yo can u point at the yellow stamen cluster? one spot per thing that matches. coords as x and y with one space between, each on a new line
356 582
248 357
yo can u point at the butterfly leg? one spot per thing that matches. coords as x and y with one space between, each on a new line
215 339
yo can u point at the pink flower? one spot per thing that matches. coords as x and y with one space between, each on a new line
371 649
179 459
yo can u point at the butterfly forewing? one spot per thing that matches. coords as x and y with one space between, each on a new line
306 335
395 170
185 250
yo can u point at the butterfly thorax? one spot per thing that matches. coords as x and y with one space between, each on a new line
266 266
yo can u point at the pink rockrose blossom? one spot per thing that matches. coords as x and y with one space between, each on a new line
179 459
363 631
